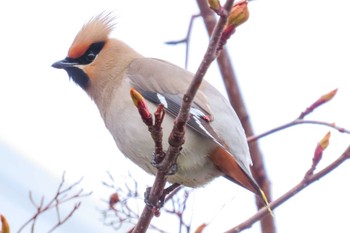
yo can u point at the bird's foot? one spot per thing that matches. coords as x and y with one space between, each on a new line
159 204
155 207
172 170
157 163
157 159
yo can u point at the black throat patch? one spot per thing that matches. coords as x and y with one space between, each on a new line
78 76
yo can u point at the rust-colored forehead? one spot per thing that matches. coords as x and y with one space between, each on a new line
96 30
77 50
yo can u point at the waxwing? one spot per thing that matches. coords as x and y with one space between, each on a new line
107 69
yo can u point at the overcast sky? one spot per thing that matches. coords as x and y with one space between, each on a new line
286 56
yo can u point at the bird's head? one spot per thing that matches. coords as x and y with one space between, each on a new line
95 60
85 49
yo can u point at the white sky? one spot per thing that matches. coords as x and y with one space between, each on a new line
286 56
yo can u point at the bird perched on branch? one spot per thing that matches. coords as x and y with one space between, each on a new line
106 69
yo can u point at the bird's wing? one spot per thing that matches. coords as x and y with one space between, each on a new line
163 83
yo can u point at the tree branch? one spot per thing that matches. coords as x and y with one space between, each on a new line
236 100
176 138
308 179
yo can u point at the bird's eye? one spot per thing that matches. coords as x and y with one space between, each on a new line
90 56
91 53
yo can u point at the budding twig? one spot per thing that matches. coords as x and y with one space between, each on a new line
237 16
155 128
307 180
322 100
321 146
300 120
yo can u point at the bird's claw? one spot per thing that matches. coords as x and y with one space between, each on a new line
156 160
172 170
159 204
154 207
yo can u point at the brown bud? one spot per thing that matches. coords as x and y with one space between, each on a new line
239 14
5 227
215 6
113 199
201 228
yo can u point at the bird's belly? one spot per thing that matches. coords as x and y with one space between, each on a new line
131 135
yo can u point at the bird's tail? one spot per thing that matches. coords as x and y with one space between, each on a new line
233 171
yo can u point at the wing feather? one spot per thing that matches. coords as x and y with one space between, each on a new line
150 74
153 88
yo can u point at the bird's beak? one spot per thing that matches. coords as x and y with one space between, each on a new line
63 64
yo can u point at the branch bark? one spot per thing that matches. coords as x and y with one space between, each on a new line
236 100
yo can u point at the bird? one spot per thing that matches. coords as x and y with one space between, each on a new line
107 69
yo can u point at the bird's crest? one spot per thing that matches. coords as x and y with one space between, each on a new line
96 30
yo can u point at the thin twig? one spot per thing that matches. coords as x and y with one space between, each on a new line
60 197
70 214
178 208
186 40
294 123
